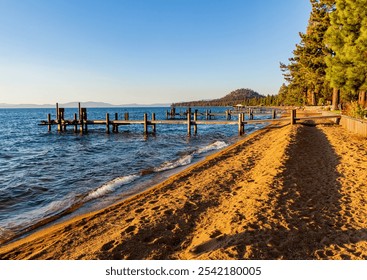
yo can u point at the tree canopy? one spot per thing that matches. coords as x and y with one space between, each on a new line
331 56
306 70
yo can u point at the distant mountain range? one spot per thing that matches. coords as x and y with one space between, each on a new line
238 96
89 104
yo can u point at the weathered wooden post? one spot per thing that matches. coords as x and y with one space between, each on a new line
239 124
126 116
195 119
189 121
293 117
207 114
107 123
243 123
57 111
60 119
145 123
167 114
250 114
273 114
63 119
81 121
153 125
115 126
49 121
75 122
85 118
79 111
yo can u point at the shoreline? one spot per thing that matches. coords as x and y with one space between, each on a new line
243 202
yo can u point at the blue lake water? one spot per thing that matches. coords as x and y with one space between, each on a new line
45 176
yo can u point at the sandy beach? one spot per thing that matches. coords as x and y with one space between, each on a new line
284 192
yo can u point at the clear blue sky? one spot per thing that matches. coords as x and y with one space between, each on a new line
144 51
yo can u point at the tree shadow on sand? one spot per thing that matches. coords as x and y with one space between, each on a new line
307 199
308 203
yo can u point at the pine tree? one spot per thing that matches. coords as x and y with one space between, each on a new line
307 69
347 37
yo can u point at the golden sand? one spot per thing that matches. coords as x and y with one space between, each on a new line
290 192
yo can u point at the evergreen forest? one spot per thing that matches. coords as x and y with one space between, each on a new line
329 64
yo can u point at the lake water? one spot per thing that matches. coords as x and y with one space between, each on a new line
48 176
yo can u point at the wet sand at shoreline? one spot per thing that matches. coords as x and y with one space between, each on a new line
289 192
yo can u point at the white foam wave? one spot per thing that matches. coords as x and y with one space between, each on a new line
173 164
110 186
214 146
29 217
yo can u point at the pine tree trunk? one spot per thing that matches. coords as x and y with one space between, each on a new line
336 99
309 97
313 98
362 98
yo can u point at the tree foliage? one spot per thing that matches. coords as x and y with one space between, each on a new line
306 70
331 56
347 37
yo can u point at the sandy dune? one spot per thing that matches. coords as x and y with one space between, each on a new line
289 192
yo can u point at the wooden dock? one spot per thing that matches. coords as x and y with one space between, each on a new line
80 122
208 114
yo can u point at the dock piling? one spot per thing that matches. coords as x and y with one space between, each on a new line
115 128
153 125
195 119
145 123
189 121
107 123
79 111
60 118
273 114
49 121
293 117
75 122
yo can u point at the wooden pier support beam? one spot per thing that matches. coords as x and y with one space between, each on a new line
240 123
228 115
273 114
83 120
79 111
49 121
126 116
293 117
107 123
195 119
75 122
153 125
243 122
115 128
145 123
189 121
57 111
60 118
250 114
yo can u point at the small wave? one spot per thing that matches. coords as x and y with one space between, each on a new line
214 146
110 186
187 159
173 164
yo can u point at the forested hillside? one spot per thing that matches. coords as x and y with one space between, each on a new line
239 96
